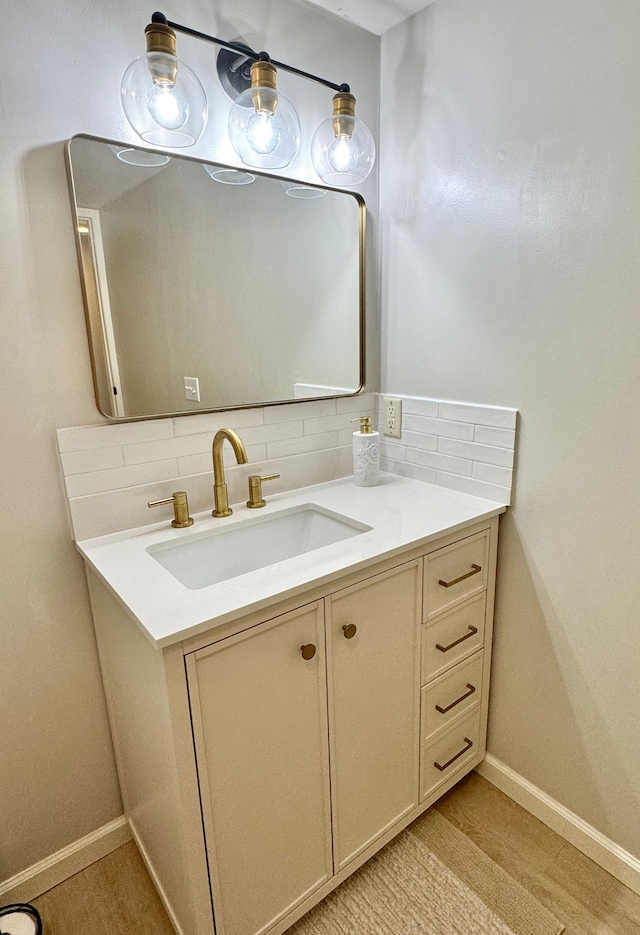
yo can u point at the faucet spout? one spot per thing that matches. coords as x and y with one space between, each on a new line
220 494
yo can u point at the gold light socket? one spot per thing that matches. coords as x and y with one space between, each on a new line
344 112
161 38
265 89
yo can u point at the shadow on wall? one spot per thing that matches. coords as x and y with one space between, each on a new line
527 685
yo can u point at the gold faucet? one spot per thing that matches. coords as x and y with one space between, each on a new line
220 495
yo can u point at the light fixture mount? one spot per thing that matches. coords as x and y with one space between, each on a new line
234 68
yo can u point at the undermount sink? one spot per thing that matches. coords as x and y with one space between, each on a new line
202 559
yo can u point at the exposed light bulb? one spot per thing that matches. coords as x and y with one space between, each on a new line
168 106
162 98
342 149
342 156
262 133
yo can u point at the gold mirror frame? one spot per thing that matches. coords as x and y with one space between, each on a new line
95 332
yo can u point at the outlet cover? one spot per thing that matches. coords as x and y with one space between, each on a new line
392 417
192 389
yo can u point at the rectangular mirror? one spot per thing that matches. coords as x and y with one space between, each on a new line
208 287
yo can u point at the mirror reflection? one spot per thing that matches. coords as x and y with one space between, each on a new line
208 287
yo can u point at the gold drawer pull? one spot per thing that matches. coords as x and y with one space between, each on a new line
308 651
450 584
445 649
468 694
349 630
468 743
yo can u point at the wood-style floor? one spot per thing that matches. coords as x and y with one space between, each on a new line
116 897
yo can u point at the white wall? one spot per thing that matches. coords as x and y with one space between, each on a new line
61 69
511 220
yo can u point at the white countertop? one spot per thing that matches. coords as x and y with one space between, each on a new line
403 513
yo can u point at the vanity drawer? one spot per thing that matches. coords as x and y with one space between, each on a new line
452 637
452 751
455 573
450 696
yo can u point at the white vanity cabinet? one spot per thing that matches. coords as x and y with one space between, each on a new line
263 761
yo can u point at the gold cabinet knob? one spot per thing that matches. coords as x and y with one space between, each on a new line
349 630
308 651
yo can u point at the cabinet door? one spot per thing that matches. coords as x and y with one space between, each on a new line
374 706
260 724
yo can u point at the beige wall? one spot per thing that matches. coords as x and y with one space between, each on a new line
511 213
61 69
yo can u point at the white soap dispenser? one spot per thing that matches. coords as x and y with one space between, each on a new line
366 454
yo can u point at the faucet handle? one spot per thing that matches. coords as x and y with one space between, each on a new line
181 518
256 500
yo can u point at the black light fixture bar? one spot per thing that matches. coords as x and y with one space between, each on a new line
256 56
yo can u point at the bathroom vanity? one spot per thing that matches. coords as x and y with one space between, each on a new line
274 729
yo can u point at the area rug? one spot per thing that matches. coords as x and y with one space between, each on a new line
430 880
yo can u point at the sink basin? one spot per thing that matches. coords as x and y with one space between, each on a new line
202 559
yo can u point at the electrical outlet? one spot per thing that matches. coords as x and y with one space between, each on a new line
192 389
392 417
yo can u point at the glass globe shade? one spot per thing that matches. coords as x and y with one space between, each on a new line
268 138
164 101
343 160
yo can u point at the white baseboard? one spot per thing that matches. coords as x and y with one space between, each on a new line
156 882
36 880
602 850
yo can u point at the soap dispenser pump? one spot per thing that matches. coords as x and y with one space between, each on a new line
366 454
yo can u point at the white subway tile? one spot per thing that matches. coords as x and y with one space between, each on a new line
81 485
479 415
498 456
460 430
294 446
405 469
492 474
474 487
177 447
276 431
83 462
203 463
499 438
302 410
417 406
392 451
418 440
440 462
87 437
212 421
364 403
332 423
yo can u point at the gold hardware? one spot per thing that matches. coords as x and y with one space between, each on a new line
445 649
468 694
264 87
256 500
450 584
468 743
220 493
344 112
365 424
349 630
180 509
308 651
161 38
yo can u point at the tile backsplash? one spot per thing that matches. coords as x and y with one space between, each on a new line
112 470
466 447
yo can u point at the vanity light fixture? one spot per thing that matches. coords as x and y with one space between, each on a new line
165 104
